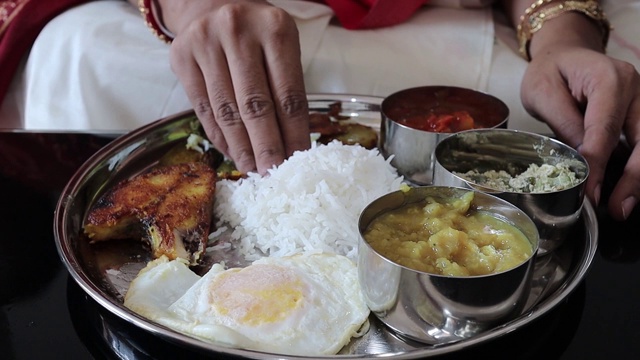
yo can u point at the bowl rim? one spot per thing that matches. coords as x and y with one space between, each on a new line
392 97
577 156
535 243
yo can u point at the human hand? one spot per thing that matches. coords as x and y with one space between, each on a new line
590 100
239 63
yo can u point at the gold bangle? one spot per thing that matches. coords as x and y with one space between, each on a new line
534 7
149 13
531 22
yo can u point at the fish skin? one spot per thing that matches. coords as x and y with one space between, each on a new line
169 206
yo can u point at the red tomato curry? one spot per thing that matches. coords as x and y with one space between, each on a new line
443 123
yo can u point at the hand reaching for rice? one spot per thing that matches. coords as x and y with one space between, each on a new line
239 63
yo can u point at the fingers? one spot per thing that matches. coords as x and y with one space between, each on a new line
603 126
192 79
257 109
574 95
286 80
244 79
547 98
626 193
604 120
243 107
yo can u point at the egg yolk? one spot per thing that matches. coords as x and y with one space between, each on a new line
257 294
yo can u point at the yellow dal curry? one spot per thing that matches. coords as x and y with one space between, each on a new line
448 238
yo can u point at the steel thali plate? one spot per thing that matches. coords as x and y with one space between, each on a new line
104 271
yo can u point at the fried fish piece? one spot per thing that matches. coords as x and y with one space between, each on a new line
353 134
346 133
170 206
180 153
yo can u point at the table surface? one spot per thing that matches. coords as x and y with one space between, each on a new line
46 315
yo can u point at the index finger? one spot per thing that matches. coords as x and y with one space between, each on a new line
603 121
287 85
269 89
626 192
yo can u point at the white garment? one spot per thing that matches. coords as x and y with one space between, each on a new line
97 66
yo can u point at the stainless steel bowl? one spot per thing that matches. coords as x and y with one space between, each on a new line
554 213
437 309
412 148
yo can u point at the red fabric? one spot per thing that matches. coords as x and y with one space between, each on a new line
367 14
20 24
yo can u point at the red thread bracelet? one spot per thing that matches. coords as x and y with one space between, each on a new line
149 14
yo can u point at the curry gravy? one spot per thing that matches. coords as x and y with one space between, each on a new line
448 238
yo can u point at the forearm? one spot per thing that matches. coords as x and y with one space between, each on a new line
572 28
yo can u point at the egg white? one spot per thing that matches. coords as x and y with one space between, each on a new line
298 305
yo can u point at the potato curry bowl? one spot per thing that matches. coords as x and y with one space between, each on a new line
441 264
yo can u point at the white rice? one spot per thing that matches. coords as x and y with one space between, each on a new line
309 204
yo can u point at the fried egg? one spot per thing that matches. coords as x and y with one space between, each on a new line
296 305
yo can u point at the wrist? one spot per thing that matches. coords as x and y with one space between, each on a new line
178 14
551 23
152 15
574 30
169 14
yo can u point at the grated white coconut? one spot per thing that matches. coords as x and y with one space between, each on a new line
536 178
198 143
309 204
